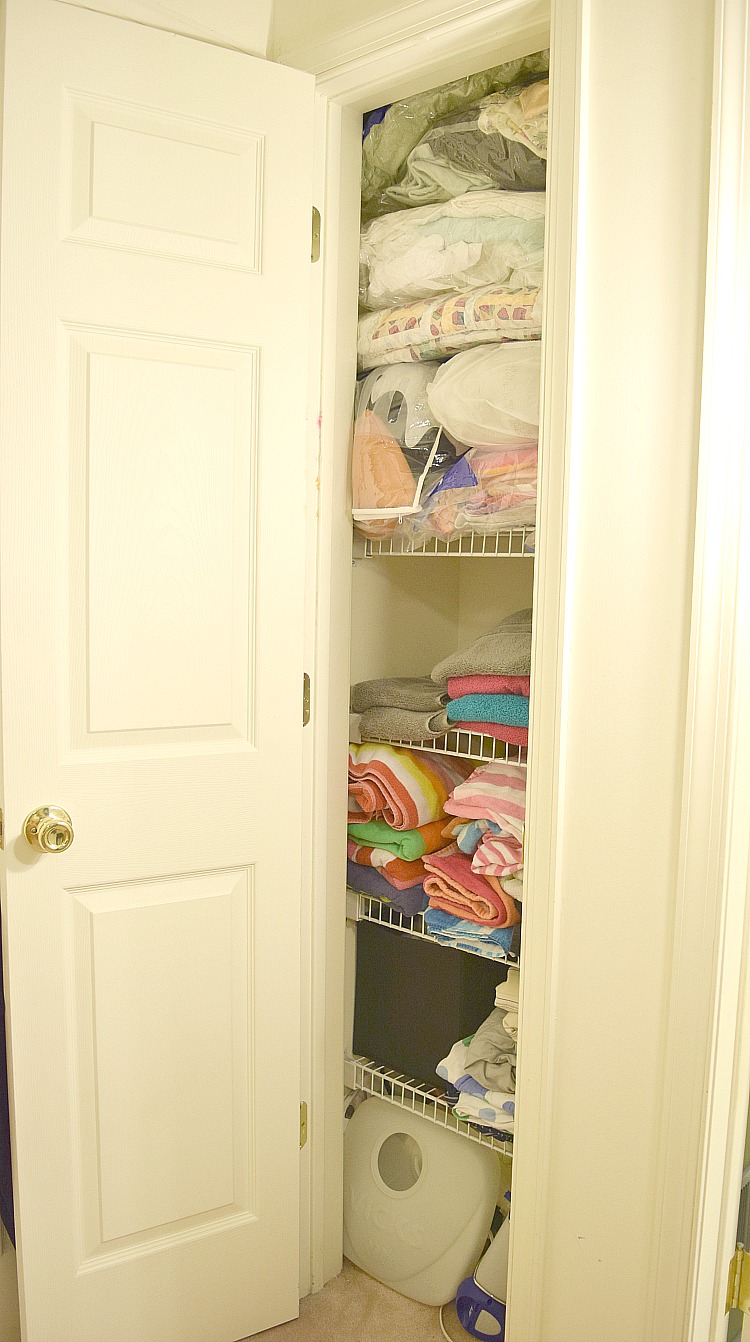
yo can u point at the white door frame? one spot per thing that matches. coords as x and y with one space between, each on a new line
709 976
706 1092
379 70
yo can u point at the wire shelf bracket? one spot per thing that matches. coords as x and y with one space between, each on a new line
387 1084
465 745
517 543
370 909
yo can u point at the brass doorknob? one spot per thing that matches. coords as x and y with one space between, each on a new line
50 829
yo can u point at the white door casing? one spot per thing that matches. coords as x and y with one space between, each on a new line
155 284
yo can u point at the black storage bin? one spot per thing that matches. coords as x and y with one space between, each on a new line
414 999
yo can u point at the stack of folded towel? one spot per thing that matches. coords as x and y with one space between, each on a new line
475 884
488 683
397 815
481 1069
400 709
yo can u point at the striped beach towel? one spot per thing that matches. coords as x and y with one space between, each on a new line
495 791
406 788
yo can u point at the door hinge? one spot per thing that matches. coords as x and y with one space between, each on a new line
738 1281
302 1124
305 699
315 247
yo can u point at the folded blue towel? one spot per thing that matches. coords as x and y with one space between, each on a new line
512 710
496 943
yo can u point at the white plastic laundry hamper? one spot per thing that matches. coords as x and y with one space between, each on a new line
418 1201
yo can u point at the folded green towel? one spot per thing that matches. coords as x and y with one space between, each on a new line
408 844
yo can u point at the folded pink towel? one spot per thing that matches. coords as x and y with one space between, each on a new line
515 736
453 887
458 686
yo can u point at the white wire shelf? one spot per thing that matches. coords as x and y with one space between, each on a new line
370 909
404 1091
467 745
515 544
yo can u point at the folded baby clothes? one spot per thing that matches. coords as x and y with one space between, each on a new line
368 881
498 855
508 710
491 1055
494 943
431 328
460 685
418 693
453 887
406 788
506 650
402 724
408 844
468 834
396 871
495 791
495 1107
512 885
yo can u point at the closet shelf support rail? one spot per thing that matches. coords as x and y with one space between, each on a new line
466 745
364 1074
370 909
517 543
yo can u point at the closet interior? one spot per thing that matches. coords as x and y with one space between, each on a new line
445 461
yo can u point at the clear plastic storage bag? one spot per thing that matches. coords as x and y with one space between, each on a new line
388 145
480 238
399 452
486 395
433 328
456 155
490 489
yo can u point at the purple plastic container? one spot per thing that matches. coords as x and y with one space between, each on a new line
471 1303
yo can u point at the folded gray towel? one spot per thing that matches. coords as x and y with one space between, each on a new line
397 692
402 724
506 651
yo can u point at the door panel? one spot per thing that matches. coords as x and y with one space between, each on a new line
155 277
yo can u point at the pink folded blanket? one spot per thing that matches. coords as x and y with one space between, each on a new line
515 736
458 686
453 887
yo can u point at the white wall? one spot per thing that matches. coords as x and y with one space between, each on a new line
245 24
296 25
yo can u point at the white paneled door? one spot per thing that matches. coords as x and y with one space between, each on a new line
155 274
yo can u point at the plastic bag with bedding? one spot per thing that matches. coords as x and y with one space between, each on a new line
481 238
486 395
398 451
490 489
432 328
456 155
388 145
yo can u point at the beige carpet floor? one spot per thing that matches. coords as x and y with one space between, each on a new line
353 1305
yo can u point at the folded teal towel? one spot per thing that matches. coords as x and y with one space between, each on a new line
512 710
